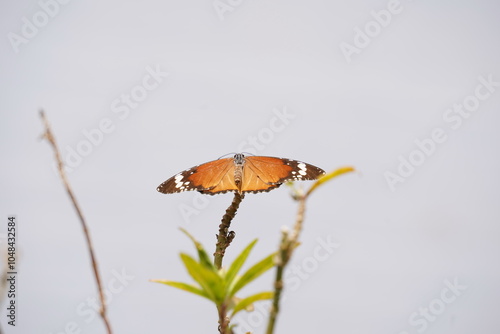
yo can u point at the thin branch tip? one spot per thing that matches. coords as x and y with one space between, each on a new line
60 166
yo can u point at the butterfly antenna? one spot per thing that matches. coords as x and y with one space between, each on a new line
225 155
248 153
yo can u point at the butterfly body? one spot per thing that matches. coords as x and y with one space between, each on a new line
239 162
240 174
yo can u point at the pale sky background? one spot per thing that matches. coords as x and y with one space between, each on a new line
229 75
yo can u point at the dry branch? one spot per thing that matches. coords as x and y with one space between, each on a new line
62 173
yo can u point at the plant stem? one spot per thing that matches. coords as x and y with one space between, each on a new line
62 173
288 243
224 239
290 240
223 320
278 282
225 236
297 228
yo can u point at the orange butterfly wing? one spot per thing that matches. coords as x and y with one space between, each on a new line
208 178
267 173
221 182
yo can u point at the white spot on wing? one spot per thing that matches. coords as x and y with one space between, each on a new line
303 168
178 180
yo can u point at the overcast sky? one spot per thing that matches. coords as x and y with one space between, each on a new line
407 92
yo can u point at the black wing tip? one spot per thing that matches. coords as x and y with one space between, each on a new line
164 190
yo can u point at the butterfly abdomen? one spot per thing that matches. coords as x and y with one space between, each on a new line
239 162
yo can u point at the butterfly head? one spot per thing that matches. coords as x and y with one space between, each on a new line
239 159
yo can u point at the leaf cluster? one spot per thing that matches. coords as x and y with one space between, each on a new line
221 285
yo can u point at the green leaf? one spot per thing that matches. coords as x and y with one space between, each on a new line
238 263
245 302
208 279
184 286
329 176
202 254
252 273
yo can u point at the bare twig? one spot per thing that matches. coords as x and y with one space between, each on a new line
290 240
225 236
224 239
60 166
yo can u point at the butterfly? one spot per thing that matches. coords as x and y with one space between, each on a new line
242 174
